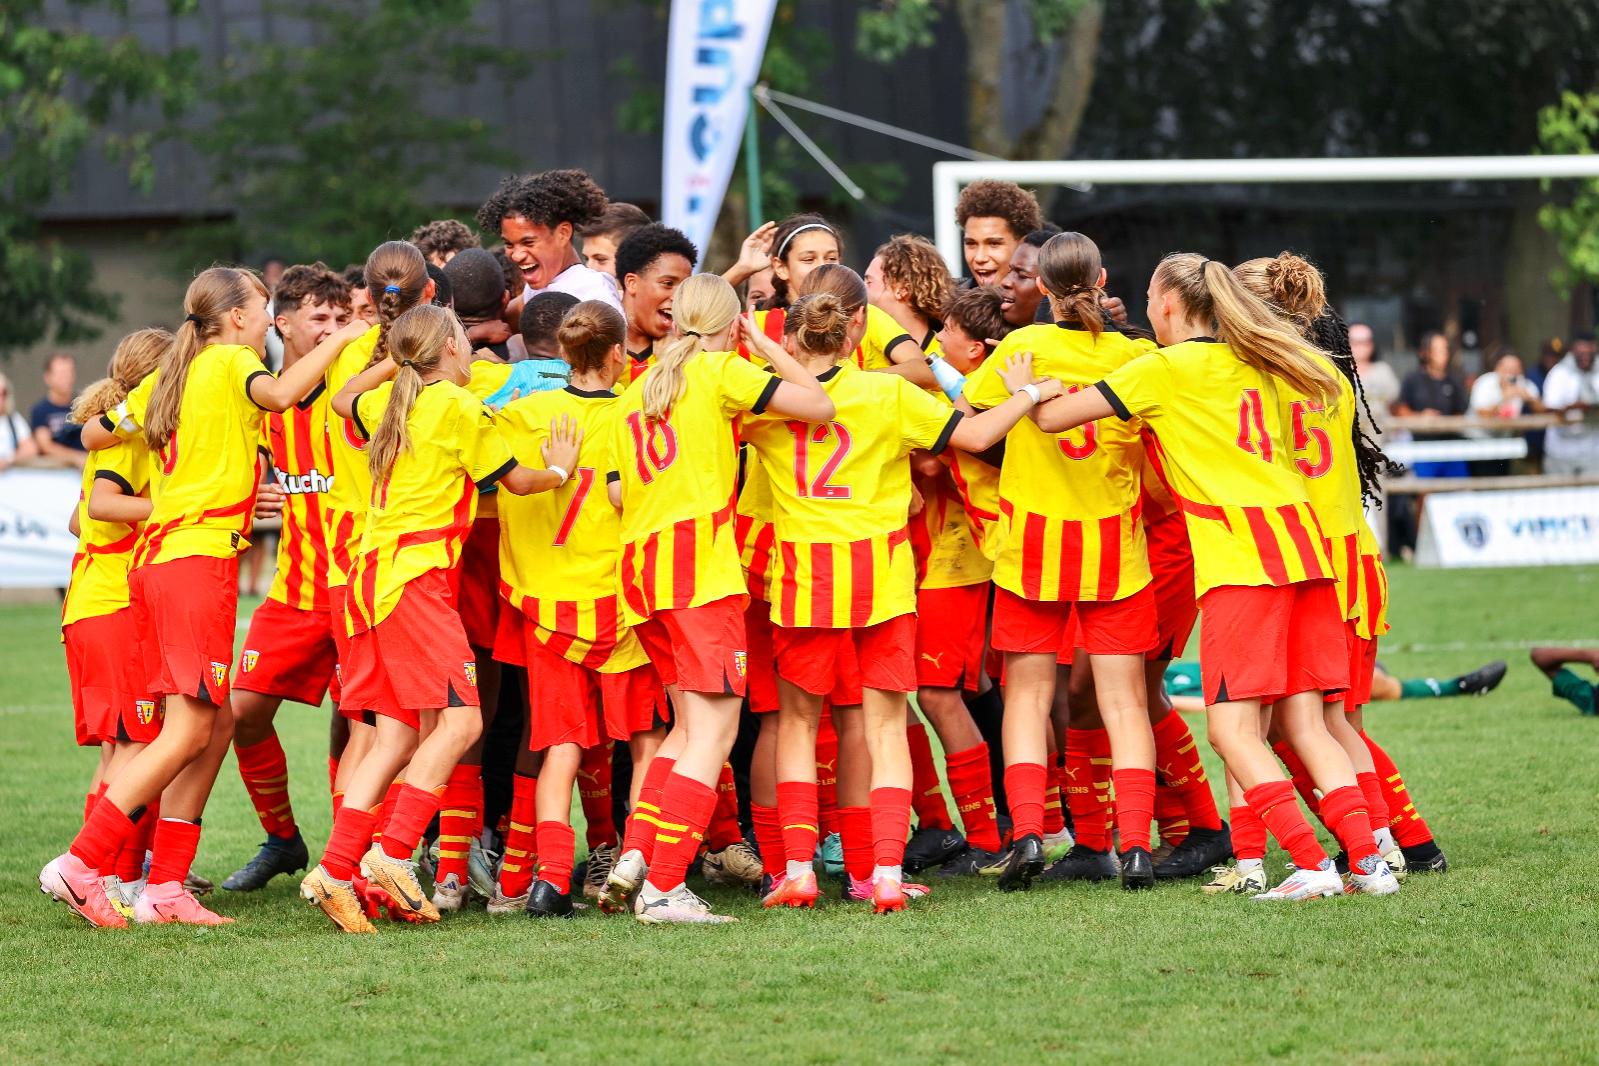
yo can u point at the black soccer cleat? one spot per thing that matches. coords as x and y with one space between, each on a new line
1482 680
278 855
1138 870
1200 850
547 901
1083 864
973 862
931 847
1425 858
1025 863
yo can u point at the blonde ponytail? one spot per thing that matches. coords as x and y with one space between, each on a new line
136 356
1290 283
418 343
211 296
702 306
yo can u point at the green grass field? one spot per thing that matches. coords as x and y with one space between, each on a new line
1495 961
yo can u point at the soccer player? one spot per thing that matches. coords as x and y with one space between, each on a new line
605 234
537 216
290 652
477 288
540 319
1565 682
1271 628
433 446
1024 300
907 279
681 579
442 240
651 262
201 413
994 217
1183 683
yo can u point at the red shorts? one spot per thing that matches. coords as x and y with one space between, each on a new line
109 700
508 647
341 632
762 668
185 611
1103 627
417 659
573 704
477 582
290 654
1362 668
700 649
840 662
1171 565
951 625
1264 642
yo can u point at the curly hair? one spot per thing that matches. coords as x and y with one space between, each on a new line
913 262
1000 199
309 281
443 237
546 199
648 243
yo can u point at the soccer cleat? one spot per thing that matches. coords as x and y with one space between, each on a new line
129 893
974 862
67 879
395 880
888 894
278 855
1138 869
1056 845
932 847
793 892
1025 862
1424 859
1373 878
677 907
501 904
112 884
547 901
1083 863
1323 881
1482 680
624 879
600 861
736 865
449 895
861 891
1162 853
172 903
832 849
482 866
339 900
1395 858
1235 877
194 884
1201 850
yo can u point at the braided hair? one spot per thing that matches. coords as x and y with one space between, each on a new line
1329 332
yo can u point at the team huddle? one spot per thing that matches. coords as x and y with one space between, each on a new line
622 512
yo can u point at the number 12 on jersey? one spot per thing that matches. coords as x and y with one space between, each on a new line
820 487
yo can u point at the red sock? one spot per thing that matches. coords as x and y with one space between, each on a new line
768 838
130 860
391 795
1054 798
1248 833
797 813
1024 789
973 788
172 853
1274 802
102 835
1409 828
351 837
594 790
91 798
455 821
928 797
686 807
333 774
1177 755
1083 796
516 871
557 844
413 809
827 776
723 829
1299 774
891 824
1344 811
855 833
266 778
1376 800
645 819
1135 805
1170 814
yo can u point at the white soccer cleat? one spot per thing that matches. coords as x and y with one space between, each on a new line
1373 877
677 907
1396 862
449 895
1056 845
1307 884
625 878
129 891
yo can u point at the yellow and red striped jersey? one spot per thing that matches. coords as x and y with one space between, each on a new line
841 494
421 513
678 478
752 527
302 464
206 477
945 538
351 487
638 362
559 549
99 583
882 335
1068 502
1226 452
1372 591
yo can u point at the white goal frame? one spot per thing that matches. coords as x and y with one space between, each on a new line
949 177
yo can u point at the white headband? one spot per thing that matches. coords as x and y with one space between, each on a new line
809 225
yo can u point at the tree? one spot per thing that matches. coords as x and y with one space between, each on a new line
328 147
1572 127
59 88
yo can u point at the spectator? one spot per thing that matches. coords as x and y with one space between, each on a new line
1434 388
1505 392
1549 354
1377 379
272 271
55 435
15 440
1570 389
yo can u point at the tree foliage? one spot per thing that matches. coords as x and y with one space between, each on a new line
1571 127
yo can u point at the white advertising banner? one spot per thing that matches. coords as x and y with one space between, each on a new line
713 57
1530 527
35 547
